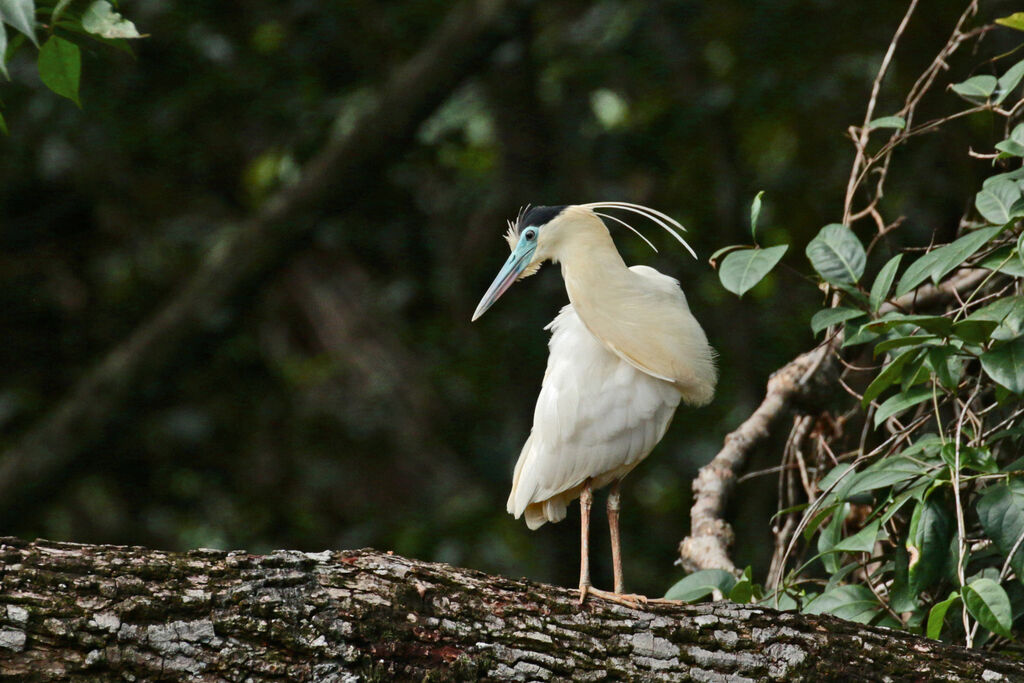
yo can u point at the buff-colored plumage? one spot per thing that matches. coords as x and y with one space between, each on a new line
622 355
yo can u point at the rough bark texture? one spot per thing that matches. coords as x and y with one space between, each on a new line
77 612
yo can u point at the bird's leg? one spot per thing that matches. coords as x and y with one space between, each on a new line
634 601
586 500
614 504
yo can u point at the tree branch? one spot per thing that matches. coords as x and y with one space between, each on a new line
707 546
242 255
77 612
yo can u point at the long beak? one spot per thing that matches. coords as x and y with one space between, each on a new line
509 273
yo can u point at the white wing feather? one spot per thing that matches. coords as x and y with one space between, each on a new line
596 418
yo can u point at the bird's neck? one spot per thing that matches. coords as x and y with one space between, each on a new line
593 271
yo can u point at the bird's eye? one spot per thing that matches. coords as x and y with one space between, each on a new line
530 235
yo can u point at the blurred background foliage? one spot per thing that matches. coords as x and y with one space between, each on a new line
347 401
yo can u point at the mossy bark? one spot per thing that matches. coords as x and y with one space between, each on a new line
79 612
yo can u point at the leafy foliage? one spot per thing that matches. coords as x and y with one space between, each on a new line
916 502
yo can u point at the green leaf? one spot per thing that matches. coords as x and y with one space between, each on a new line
900 342
1005 365
58 11
102 20
3 125
1005 260
884 473
928 543
976 89
974 331
937 615
3 52
888 122
755 211
988 603
954 254
1001 512
837 254
1008 312
827 317
946 365
939 262
896 404
861 542
1015 20
889 374
935 324
971 457
60 66
701 584
1009 80
743 269
831 534
917 272
1013 145
995 202
853 603
21 14
883 282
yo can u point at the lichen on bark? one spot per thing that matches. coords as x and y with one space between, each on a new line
79 612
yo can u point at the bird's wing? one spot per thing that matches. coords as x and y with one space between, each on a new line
646 322
595 415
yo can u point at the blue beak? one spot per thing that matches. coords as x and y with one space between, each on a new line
514 266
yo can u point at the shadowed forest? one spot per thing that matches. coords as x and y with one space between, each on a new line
330 391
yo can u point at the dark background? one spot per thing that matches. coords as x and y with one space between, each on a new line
346 400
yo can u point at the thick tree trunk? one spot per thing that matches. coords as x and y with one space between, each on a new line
79 612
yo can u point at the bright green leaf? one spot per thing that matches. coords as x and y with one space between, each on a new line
897 403
102 20
60 66
21 14
917 272
1015 20
937 615
701 584
1013 145
955 253
883 282
837 254
1005 364
995 201
743 269
755 212
974 331
988 603
977 88
888 122
833 316
1001 512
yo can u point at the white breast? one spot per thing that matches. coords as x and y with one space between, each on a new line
596 418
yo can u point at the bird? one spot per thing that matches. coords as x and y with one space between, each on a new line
623 353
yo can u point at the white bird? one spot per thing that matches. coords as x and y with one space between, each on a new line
623 353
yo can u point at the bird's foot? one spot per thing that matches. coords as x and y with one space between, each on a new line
585 588
631 600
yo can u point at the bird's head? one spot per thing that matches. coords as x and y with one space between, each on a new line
539 232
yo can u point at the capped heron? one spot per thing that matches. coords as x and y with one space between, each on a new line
624 352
